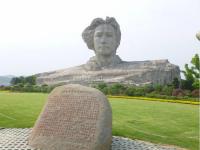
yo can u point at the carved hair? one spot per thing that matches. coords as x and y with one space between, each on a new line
88 33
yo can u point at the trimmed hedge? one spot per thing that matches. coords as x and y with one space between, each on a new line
158 99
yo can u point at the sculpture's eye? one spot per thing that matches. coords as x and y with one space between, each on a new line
109 34
98 34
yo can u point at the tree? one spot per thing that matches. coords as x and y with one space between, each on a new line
176 83
23 80
101 86
148 88
167 90
139 91
15 80
192 74
196 71
158 88
31 80
130 91
117 89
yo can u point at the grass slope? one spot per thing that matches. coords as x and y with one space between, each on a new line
158 122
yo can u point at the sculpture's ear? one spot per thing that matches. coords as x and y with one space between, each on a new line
87 36
88 33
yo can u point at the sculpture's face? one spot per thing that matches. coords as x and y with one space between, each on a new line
105 40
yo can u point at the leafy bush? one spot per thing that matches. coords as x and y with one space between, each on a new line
130 91
36 88
176 83
139 91
103 87
5 88
117 89
158 88
167 90
148 88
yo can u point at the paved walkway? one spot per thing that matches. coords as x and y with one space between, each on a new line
16 139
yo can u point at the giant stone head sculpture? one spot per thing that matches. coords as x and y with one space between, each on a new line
103 36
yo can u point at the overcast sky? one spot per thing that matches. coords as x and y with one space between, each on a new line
43 35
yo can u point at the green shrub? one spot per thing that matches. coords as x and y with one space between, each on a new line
148 88
101 86
139 91
176 83
130 91
27 88
167 90
105 90
36 88
117 89
158 88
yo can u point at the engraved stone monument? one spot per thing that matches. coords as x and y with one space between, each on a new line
103 37
75 117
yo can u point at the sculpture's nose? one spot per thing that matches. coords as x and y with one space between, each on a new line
103 40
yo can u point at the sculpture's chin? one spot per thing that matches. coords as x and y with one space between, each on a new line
105 52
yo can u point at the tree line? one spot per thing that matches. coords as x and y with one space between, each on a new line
27 84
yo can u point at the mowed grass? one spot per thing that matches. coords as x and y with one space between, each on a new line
158 122
20 110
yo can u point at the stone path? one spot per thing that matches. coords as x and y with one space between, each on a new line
16 139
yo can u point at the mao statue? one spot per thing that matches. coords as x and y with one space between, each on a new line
103 37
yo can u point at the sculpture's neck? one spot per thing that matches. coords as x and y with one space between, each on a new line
107 60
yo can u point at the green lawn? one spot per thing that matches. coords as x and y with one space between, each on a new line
20 110
158 122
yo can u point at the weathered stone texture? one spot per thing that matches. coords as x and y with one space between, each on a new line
74 118
136 72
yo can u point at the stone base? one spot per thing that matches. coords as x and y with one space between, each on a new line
134 73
